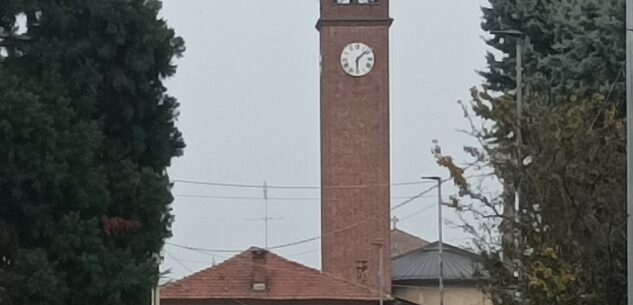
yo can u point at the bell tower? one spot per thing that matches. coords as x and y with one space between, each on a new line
355 242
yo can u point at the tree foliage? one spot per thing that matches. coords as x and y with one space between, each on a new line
570 245
86 133
566 244
571 47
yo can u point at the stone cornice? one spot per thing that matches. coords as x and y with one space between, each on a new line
353 22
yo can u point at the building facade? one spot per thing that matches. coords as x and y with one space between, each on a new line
415 276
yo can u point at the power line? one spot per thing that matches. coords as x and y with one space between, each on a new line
196 261
243 185
303 252
416 196
178 261
245 197
203 250
270 198
240 184
295 243
303 241
417 212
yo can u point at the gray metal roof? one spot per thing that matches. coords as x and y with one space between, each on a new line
423 264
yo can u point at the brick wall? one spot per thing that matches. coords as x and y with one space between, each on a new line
355 144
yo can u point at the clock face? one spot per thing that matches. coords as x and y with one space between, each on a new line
357 59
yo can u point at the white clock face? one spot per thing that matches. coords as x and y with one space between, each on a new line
357 59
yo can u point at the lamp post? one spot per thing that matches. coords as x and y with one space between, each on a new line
519 78
518 35
439 227
629 148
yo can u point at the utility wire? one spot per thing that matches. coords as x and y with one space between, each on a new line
178 261
183 181
203 250
307 240
270 198
417 196
242 185
409 216
303 252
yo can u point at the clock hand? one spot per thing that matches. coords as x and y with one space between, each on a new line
363 54
358 59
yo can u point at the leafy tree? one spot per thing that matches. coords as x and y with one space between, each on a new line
571 47
86 133
565 245
571 226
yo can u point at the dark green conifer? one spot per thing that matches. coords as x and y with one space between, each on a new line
86 133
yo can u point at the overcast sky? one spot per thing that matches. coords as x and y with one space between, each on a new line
248 86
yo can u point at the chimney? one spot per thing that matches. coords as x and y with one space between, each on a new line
259 269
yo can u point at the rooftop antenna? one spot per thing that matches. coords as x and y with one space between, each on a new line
265 219
394 222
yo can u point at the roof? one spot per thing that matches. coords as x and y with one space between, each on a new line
403 242
285 280
422 264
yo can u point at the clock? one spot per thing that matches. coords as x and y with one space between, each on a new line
357 59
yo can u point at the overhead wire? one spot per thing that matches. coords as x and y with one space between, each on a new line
409 216
178 261
244 185
303 252
269 198
306 240
203 250
244 197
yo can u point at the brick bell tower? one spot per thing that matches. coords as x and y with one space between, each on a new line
355 218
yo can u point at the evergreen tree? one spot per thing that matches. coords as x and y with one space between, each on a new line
86 133
570 47
566 243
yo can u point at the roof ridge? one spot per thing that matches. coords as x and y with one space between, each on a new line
346 289
224 262
450 247
327 274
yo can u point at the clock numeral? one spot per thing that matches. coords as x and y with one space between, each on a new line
368 65
345 65
370 59
357 46
351 47
350 70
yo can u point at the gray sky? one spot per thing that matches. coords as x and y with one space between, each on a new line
249 92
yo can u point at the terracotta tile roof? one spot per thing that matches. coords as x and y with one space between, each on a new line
284 280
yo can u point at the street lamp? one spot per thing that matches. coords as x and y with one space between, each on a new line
518 35
629 147
439 224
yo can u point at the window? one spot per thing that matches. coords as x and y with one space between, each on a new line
367 1
343 1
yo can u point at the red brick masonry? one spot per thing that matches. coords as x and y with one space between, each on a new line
355 165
